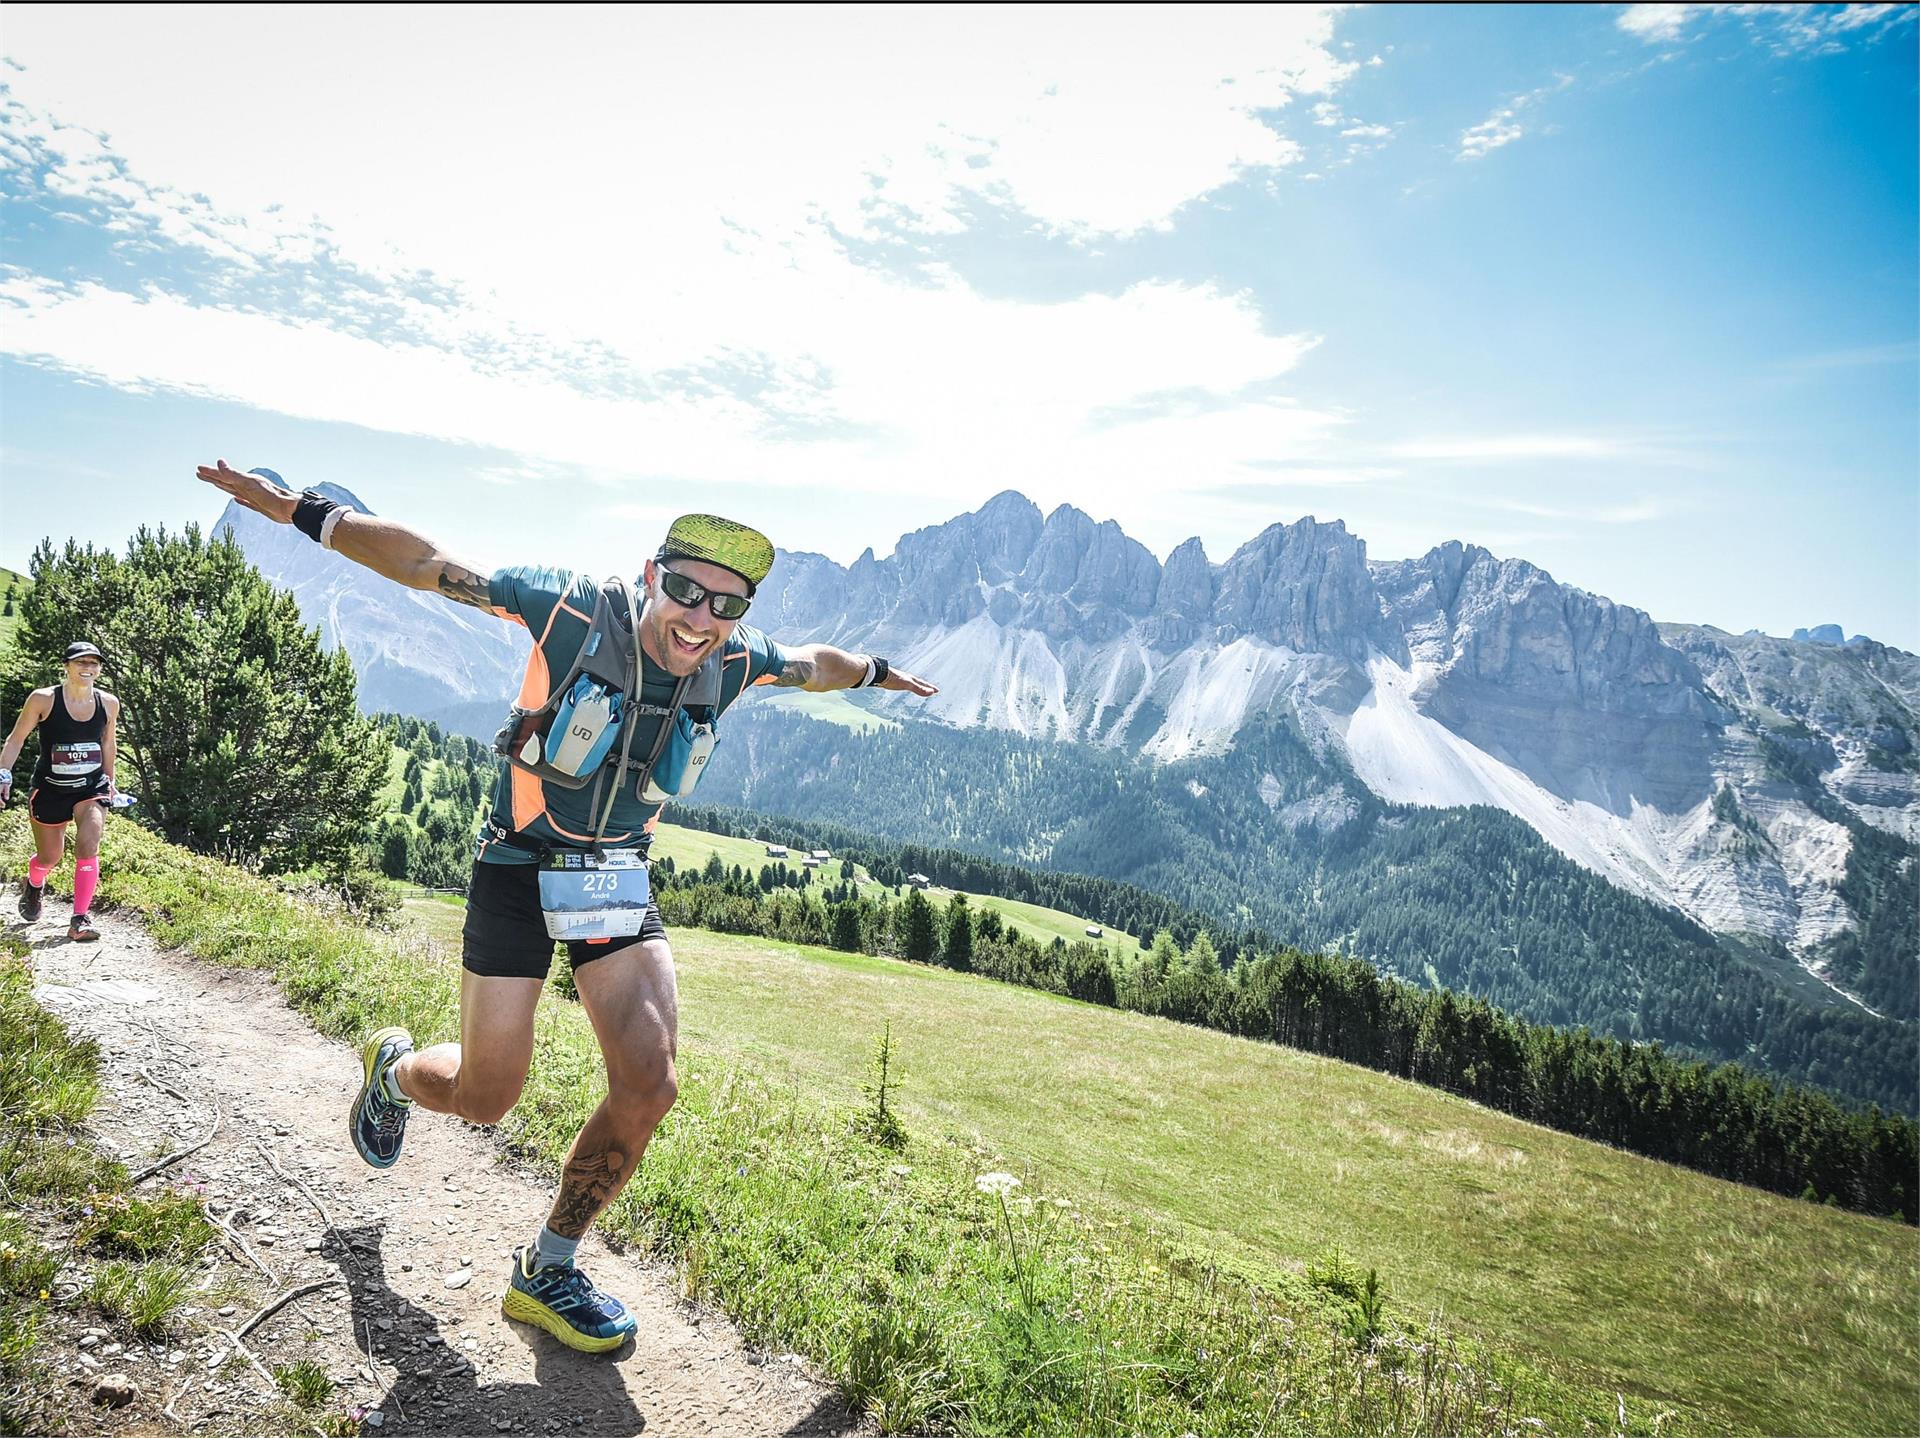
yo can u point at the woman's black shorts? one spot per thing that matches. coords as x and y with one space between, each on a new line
506 934
50 804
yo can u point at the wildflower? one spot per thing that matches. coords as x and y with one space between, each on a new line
900 1170
44 1293
999 1184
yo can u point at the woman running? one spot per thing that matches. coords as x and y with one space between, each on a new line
72 782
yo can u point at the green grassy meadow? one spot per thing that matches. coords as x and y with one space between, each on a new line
834 707
935 1292
690 849
1628 1274
11 622
1768 1314
1202 1174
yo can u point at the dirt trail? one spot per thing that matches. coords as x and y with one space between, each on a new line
446 1361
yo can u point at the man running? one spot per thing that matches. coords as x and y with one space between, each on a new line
538 871
72 782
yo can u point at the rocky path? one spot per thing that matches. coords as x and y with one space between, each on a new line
419 1253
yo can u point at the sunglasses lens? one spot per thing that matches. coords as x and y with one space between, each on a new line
682 590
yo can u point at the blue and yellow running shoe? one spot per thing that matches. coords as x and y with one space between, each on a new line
563 1300
378 1122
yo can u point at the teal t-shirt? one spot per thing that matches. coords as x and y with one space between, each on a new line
556 606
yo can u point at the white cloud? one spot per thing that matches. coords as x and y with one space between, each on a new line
1499 447
1504 125
1786 29
616 239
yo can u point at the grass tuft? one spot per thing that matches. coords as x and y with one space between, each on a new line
144 1294
305 1383
172 1225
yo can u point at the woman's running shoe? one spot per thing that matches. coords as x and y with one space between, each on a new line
30 896
378 1120
80 930
562 1300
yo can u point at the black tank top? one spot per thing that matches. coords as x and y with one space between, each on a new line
70 756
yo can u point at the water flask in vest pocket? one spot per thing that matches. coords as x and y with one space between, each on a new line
584 726
682 762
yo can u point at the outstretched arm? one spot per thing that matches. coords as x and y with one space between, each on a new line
401 554
820 667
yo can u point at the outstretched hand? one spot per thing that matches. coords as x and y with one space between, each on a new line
262 496
907 683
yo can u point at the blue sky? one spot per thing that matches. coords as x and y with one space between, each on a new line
1626 291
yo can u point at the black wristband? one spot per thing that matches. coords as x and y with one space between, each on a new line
879 671
311 512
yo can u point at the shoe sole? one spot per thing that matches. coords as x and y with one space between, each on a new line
524 1308
91 936
369 1056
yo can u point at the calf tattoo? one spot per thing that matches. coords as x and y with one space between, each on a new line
592 1178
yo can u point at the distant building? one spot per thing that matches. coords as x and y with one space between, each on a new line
776 851
821 854
918 881
811 863
1094 931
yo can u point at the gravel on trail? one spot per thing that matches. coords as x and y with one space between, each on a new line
410 1329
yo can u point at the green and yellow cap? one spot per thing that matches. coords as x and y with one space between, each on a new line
747 552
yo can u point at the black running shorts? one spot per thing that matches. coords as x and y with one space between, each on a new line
506 934
50 804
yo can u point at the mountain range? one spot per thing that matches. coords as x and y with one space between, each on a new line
1731 778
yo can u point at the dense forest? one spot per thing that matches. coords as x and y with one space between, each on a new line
1719 1118
1275 837
423 831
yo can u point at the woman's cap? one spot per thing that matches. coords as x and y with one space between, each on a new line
80 649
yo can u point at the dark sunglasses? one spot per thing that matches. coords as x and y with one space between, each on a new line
689 594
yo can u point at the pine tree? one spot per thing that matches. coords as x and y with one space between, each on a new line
918 941
846 927
1201 957
238 729
959 945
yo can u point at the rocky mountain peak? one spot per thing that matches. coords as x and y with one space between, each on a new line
1304 586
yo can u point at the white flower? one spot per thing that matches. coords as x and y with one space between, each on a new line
996 1183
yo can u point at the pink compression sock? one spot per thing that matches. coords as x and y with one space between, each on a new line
37 872
86 876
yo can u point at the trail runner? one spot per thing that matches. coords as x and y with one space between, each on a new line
72 782
539 872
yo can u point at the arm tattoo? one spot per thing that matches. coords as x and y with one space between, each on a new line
591 1179
462 585
796 675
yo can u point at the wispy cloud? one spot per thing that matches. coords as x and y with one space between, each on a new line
1484 447
1785 29
1901 352
1639 511
1507 123
647 263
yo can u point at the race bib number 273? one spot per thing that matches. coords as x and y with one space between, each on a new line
595 896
